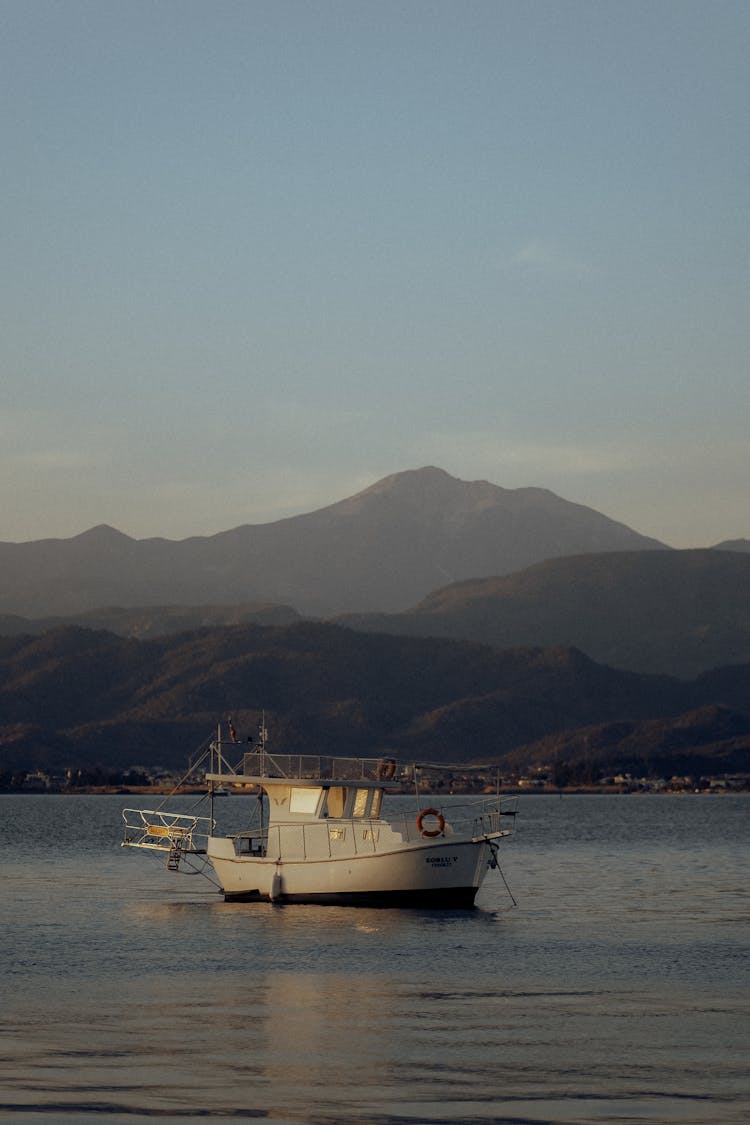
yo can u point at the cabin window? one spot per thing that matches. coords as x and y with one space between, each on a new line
304 800
360 802
377 800
336 800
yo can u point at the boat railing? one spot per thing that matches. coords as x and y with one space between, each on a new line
317 768
491 815
311 840
476 818
324 839
159 830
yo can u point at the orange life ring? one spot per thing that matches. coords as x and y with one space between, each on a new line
386 769
430 831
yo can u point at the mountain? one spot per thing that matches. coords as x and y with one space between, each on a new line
381 550
76 697
678 613
708 740
733 545
153 621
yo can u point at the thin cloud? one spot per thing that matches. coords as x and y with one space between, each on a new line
548 258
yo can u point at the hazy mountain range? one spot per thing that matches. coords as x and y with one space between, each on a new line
621 598
381 550
679 613
675 612
518 624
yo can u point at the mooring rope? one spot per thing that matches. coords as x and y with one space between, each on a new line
495 862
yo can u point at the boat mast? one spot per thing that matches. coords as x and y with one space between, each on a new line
262 733
215 765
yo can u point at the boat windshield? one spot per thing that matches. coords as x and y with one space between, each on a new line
337 795
347 801
304 800
360 802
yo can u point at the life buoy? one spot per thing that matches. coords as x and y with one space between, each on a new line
430 831
386 769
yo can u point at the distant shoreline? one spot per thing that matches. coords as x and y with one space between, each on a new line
578 790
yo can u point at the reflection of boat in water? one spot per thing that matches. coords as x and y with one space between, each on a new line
320 834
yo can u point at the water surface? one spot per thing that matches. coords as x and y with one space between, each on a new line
616 991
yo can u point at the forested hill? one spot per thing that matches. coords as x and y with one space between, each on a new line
75 696
674 612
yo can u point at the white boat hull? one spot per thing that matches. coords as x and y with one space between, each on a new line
446 873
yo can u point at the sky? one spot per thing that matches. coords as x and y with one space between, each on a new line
258 255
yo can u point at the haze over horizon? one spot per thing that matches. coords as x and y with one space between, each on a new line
260 256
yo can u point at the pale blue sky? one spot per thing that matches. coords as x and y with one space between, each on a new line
258 255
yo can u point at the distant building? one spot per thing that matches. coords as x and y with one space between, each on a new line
36 782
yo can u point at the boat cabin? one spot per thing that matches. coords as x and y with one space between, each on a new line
305 801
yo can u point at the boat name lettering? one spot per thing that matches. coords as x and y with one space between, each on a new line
441 860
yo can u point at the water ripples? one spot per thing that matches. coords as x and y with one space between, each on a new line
616 992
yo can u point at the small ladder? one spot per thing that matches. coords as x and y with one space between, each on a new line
175 855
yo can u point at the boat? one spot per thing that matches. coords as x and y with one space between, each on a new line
320 833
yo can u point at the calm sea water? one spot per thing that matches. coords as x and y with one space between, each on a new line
618 990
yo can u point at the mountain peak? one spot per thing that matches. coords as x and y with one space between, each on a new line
102 533
383 549
410 480
427 474
428 488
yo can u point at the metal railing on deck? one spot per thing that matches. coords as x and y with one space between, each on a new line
158 830
317 768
